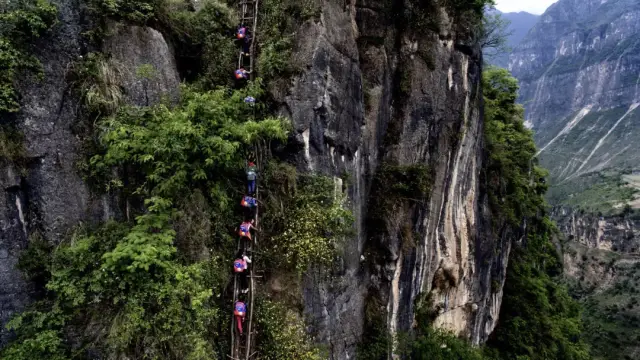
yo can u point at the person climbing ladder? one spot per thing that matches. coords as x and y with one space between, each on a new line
240 311
241 267
244 230
252 175
250 205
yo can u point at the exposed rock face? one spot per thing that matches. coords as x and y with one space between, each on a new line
619 233
50 197
578 70
373 93
146 63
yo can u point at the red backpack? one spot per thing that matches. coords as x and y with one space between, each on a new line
239 265
245 230
242 32
239 309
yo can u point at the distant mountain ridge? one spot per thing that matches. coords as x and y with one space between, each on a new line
520 24
579 70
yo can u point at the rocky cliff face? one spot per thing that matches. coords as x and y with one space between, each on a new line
369 96
578 70
48 196
371 93
612 233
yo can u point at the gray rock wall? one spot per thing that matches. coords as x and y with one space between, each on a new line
580 55
49 196
613 233
373 93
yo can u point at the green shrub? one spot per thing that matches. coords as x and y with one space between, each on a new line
119 289
515 182
282 334
99 82
396 185
137 11
21 22
124 287
376 340
442 345
277 26
308 217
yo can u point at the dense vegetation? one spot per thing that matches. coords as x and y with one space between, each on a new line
605 192
538 319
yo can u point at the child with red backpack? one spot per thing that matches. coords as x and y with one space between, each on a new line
249 204
240 311
240 267
244 230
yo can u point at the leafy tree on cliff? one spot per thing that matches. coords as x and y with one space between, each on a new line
538 319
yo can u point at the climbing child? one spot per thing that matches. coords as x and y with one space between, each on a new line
244 36
240 311
244 230
242 74
241 34
250 204
252 175
240 267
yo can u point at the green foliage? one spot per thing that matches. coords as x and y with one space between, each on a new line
204 50
186 146
376 340
21 22
538 319
512 172
34 262
119 285
602 192
278 22
398 185
282 334
202 40
468 15
137 11
11 143
441 345
124 287
307 214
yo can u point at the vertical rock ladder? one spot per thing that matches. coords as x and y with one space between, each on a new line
248 13
242 347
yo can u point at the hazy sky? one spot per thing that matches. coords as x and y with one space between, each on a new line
532 6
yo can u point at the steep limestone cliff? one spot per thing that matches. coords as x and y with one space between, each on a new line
49 196
373 93
612 233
